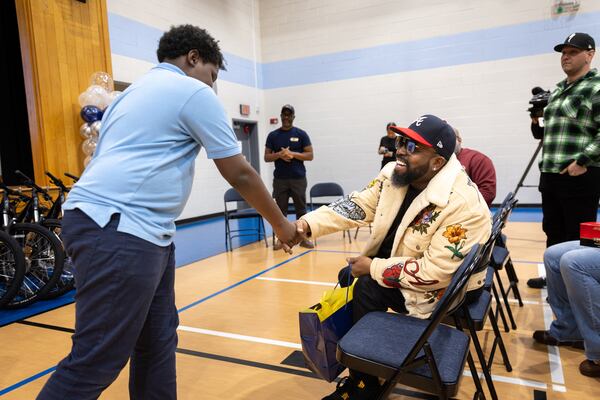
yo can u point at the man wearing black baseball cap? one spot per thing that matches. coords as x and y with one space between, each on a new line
578 40
569 183
570 163
426 214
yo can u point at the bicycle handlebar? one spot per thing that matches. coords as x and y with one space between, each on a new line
13 192
29 182
57 182
75 178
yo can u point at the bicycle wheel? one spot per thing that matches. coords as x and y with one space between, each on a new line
44 260
12 268
66 282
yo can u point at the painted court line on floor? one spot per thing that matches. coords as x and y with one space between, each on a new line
330 284
333 284
264 271
235 336
556 370
26 381
514 381
49 370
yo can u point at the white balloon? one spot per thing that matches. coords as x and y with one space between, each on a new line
88 146
95 127
94 95
85 131
103 79
113 95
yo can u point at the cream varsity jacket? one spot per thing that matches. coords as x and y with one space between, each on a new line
439 228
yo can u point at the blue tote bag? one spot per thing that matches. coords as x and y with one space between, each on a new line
322 326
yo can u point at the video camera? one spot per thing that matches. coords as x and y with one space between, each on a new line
538 102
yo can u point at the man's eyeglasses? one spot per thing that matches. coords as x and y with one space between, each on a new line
411 145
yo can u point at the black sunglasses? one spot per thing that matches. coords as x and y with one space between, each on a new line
411 145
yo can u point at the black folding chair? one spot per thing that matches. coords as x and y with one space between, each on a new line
326 189
501 260
232 195
419 353
477 310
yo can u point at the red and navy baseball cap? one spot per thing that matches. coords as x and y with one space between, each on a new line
431 131
580 40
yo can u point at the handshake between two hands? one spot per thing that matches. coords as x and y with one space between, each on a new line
294 233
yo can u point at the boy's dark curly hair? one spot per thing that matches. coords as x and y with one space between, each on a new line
179 40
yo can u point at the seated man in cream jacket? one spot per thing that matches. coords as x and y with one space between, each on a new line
426 215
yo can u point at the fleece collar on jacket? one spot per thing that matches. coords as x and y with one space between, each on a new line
440 186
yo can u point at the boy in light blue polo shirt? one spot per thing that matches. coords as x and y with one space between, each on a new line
118 225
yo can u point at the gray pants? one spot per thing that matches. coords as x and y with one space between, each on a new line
283 189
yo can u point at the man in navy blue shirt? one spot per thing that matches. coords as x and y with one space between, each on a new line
289 147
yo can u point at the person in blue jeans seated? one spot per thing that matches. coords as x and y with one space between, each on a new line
119 220
573 278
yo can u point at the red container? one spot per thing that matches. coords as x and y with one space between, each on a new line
589 234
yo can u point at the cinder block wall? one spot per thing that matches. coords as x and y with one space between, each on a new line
351 67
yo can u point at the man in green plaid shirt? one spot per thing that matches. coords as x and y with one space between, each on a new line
570 164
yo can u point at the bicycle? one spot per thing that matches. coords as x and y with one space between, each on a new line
42 251
12 267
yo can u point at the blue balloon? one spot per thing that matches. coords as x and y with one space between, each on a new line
91 113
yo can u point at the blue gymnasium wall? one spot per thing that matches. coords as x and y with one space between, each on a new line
136 40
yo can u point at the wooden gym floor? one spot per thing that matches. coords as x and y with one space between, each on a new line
238 337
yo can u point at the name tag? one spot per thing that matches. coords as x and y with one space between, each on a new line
294 139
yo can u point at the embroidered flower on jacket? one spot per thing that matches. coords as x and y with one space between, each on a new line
434 295
373 183
456 235
423 221
391 276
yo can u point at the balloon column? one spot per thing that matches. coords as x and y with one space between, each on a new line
93 103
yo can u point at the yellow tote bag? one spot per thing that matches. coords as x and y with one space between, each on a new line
322 326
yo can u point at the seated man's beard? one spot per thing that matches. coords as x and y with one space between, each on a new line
411 175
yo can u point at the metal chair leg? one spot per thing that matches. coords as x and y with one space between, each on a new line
479 389
499 308
481 356
500 341
227 235
505 298
514 280
264 231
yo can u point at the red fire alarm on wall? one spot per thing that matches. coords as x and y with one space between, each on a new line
244 109
273 121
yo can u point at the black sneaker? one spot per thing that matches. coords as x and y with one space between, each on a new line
350 389
343 390
537 283
366 390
